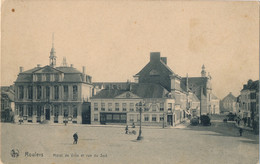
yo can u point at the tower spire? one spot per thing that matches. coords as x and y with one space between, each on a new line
52 54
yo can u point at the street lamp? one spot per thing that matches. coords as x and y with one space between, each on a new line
140 106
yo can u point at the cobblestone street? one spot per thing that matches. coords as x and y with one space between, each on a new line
219 143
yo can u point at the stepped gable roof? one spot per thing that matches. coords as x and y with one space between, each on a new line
143 90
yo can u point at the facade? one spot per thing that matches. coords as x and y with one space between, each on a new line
7 104
119 105
249 103
229 104
53 94
168 100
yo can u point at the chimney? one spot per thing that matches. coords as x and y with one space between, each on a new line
164 60
71 65
83 69
21 69
38 65
154 56
84 75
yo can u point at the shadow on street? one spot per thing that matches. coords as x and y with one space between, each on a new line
227 130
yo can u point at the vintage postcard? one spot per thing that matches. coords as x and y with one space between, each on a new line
129 82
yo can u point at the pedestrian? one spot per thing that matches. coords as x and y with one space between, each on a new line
75 136
240 131
133 126
126 129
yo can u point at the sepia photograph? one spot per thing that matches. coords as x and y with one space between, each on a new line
129 82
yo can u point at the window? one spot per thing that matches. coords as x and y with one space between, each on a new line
109 116
109 106
154 118
146 117
20 110
75 111
39 111
39 92
169 106
48 77
56 111
117 106
56 77
39 77
124 106
30 111
65 111
116 117
96 106
95 117
21 92
253 95
30 92
47 92
161 118
75 92
131 118
56 92
102 106
66 92
146 108
161 107
131 107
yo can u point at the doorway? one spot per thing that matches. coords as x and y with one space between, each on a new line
47 114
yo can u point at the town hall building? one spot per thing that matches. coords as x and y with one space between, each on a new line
53 94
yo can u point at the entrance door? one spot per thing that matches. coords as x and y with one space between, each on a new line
47 114
169 120
86 115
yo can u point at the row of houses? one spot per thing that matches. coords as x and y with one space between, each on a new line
246 105
59 94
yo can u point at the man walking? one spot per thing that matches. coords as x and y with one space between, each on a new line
75 136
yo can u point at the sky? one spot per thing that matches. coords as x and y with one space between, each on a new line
113 40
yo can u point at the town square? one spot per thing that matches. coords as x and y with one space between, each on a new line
218 143
129 82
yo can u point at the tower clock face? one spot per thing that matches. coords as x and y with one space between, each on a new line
127 95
